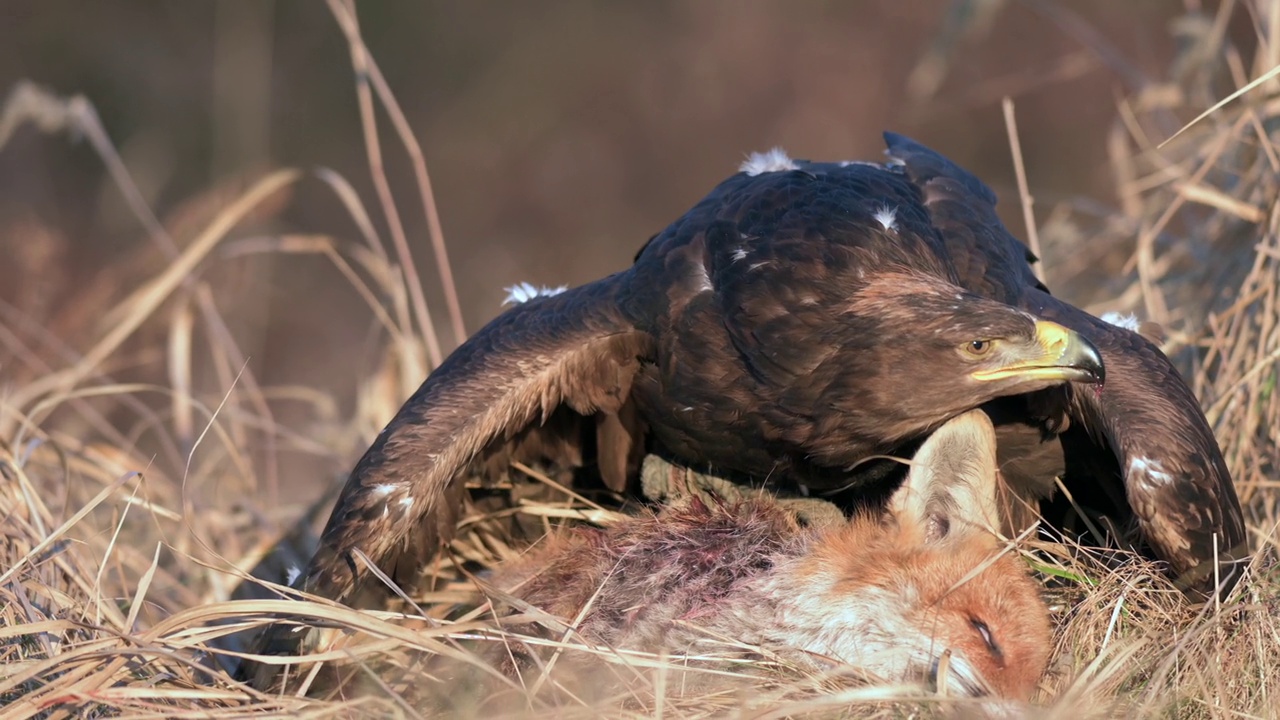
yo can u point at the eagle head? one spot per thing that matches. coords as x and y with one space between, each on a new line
936 350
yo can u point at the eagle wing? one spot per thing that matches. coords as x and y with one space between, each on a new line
571 349
574 351
1144 427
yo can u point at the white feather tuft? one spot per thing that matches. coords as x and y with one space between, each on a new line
1128 322
524 292
888 218
775 160
1149 472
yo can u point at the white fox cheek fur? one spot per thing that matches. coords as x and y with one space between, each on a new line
889 595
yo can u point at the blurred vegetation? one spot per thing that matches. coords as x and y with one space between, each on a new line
559 135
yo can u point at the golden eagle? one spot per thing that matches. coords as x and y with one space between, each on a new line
801 318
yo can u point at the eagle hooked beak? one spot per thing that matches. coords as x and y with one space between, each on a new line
1058 354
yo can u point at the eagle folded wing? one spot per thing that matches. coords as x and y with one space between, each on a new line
1175 477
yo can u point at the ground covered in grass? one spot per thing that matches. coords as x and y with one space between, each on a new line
133 509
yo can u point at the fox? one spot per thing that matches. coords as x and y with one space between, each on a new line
900 594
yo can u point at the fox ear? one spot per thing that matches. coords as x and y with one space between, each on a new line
951 489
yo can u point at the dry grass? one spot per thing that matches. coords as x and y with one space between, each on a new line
132 511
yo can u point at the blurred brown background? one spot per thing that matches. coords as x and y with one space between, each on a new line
559 137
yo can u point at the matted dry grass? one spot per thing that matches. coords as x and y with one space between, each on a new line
131 512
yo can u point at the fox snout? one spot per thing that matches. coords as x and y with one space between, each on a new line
928 590
953 612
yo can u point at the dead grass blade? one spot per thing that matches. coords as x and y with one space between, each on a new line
1274 71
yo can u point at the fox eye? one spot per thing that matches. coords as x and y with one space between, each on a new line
987 637
978 348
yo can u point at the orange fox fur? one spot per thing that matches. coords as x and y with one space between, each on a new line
887 594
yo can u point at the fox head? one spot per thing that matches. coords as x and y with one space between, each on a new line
926 591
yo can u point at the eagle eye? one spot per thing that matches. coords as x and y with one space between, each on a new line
978 348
